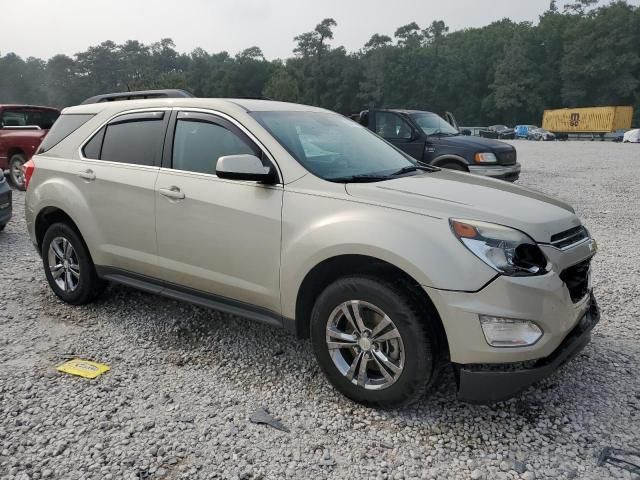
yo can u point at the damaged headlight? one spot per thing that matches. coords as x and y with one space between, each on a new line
507 250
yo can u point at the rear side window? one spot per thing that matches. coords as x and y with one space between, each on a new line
134 138
198 145
92 147
64 126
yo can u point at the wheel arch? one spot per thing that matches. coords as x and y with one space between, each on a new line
449 158
333 268
11 151
47 217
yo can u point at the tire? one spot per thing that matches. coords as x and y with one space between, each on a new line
78 283
412 350
2 227
452 166
15 176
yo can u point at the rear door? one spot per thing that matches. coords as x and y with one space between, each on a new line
216 236
117 177
398 131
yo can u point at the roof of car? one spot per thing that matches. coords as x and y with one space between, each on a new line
248 105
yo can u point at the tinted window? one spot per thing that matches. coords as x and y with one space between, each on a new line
64 126
134 138
390 125
29 117
198 145
92 148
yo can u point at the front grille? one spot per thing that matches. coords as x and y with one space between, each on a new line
507 158
576 278
569 237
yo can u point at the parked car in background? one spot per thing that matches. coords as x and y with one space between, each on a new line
501 132
22 128
300 218
540 134
5 202
522 131
432 140
632 136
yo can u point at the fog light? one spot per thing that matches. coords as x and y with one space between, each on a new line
509 332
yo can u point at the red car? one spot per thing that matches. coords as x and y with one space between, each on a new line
22 128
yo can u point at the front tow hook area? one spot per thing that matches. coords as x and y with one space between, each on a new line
490 383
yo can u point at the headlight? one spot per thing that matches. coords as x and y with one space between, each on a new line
504 249
485 158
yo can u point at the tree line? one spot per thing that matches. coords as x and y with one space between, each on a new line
583 54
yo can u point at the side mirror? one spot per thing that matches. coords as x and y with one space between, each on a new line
245 167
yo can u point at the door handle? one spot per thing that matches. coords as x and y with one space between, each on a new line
87 175
172 192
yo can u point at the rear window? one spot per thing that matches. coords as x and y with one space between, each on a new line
28 117
134 138
64 126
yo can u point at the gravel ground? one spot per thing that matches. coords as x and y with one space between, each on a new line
185 380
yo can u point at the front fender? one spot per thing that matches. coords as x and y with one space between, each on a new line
317 228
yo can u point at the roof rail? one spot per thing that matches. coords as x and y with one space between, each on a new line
113 97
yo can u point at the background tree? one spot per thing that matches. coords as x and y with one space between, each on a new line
577 54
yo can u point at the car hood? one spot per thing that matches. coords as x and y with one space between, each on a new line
479 143
446 194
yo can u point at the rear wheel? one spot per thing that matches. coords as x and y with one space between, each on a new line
16 176
372 342
68 265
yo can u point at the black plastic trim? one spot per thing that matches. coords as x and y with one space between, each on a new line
485 384
197 297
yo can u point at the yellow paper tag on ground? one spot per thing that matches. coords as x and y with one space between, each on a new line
83 368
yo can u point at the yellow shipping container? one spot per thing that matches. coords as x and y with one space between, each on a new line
587 120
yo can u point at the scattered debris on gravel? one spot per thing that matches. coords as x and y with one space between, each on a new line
187 379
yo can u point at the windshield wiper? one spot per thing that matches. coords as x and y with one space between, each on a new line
360 178
413 168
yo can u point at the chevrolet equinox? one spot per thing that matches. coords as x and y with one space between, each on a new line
301 218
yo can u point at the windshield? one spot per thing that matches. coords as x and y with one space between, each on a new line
331 146
433 124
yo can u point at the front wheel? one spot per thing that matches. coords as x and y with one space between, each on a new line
372 341
16 176
68 265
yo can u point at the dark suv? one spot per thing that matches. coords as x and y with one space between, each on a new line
429 138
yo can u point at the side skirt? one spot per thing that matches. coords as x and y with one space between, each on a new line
197 297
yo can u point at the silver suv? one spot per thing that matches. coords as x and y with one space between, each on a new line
301 218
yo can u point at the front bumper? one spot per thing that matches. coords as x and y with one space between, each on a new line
488 383
503 172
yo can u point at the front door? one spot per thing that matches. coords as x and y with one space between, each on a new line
398 131
215 236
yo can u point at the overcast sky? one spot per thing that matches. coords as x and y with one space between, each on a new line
43 28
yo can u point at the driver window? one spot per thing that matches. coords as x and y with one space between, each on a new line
389 126
198 145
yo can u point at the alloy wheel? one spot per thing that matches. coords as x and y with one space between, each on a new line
63 264
365 345
17 176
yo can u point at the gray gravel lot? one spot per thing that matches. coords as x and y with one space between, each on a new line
185 380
